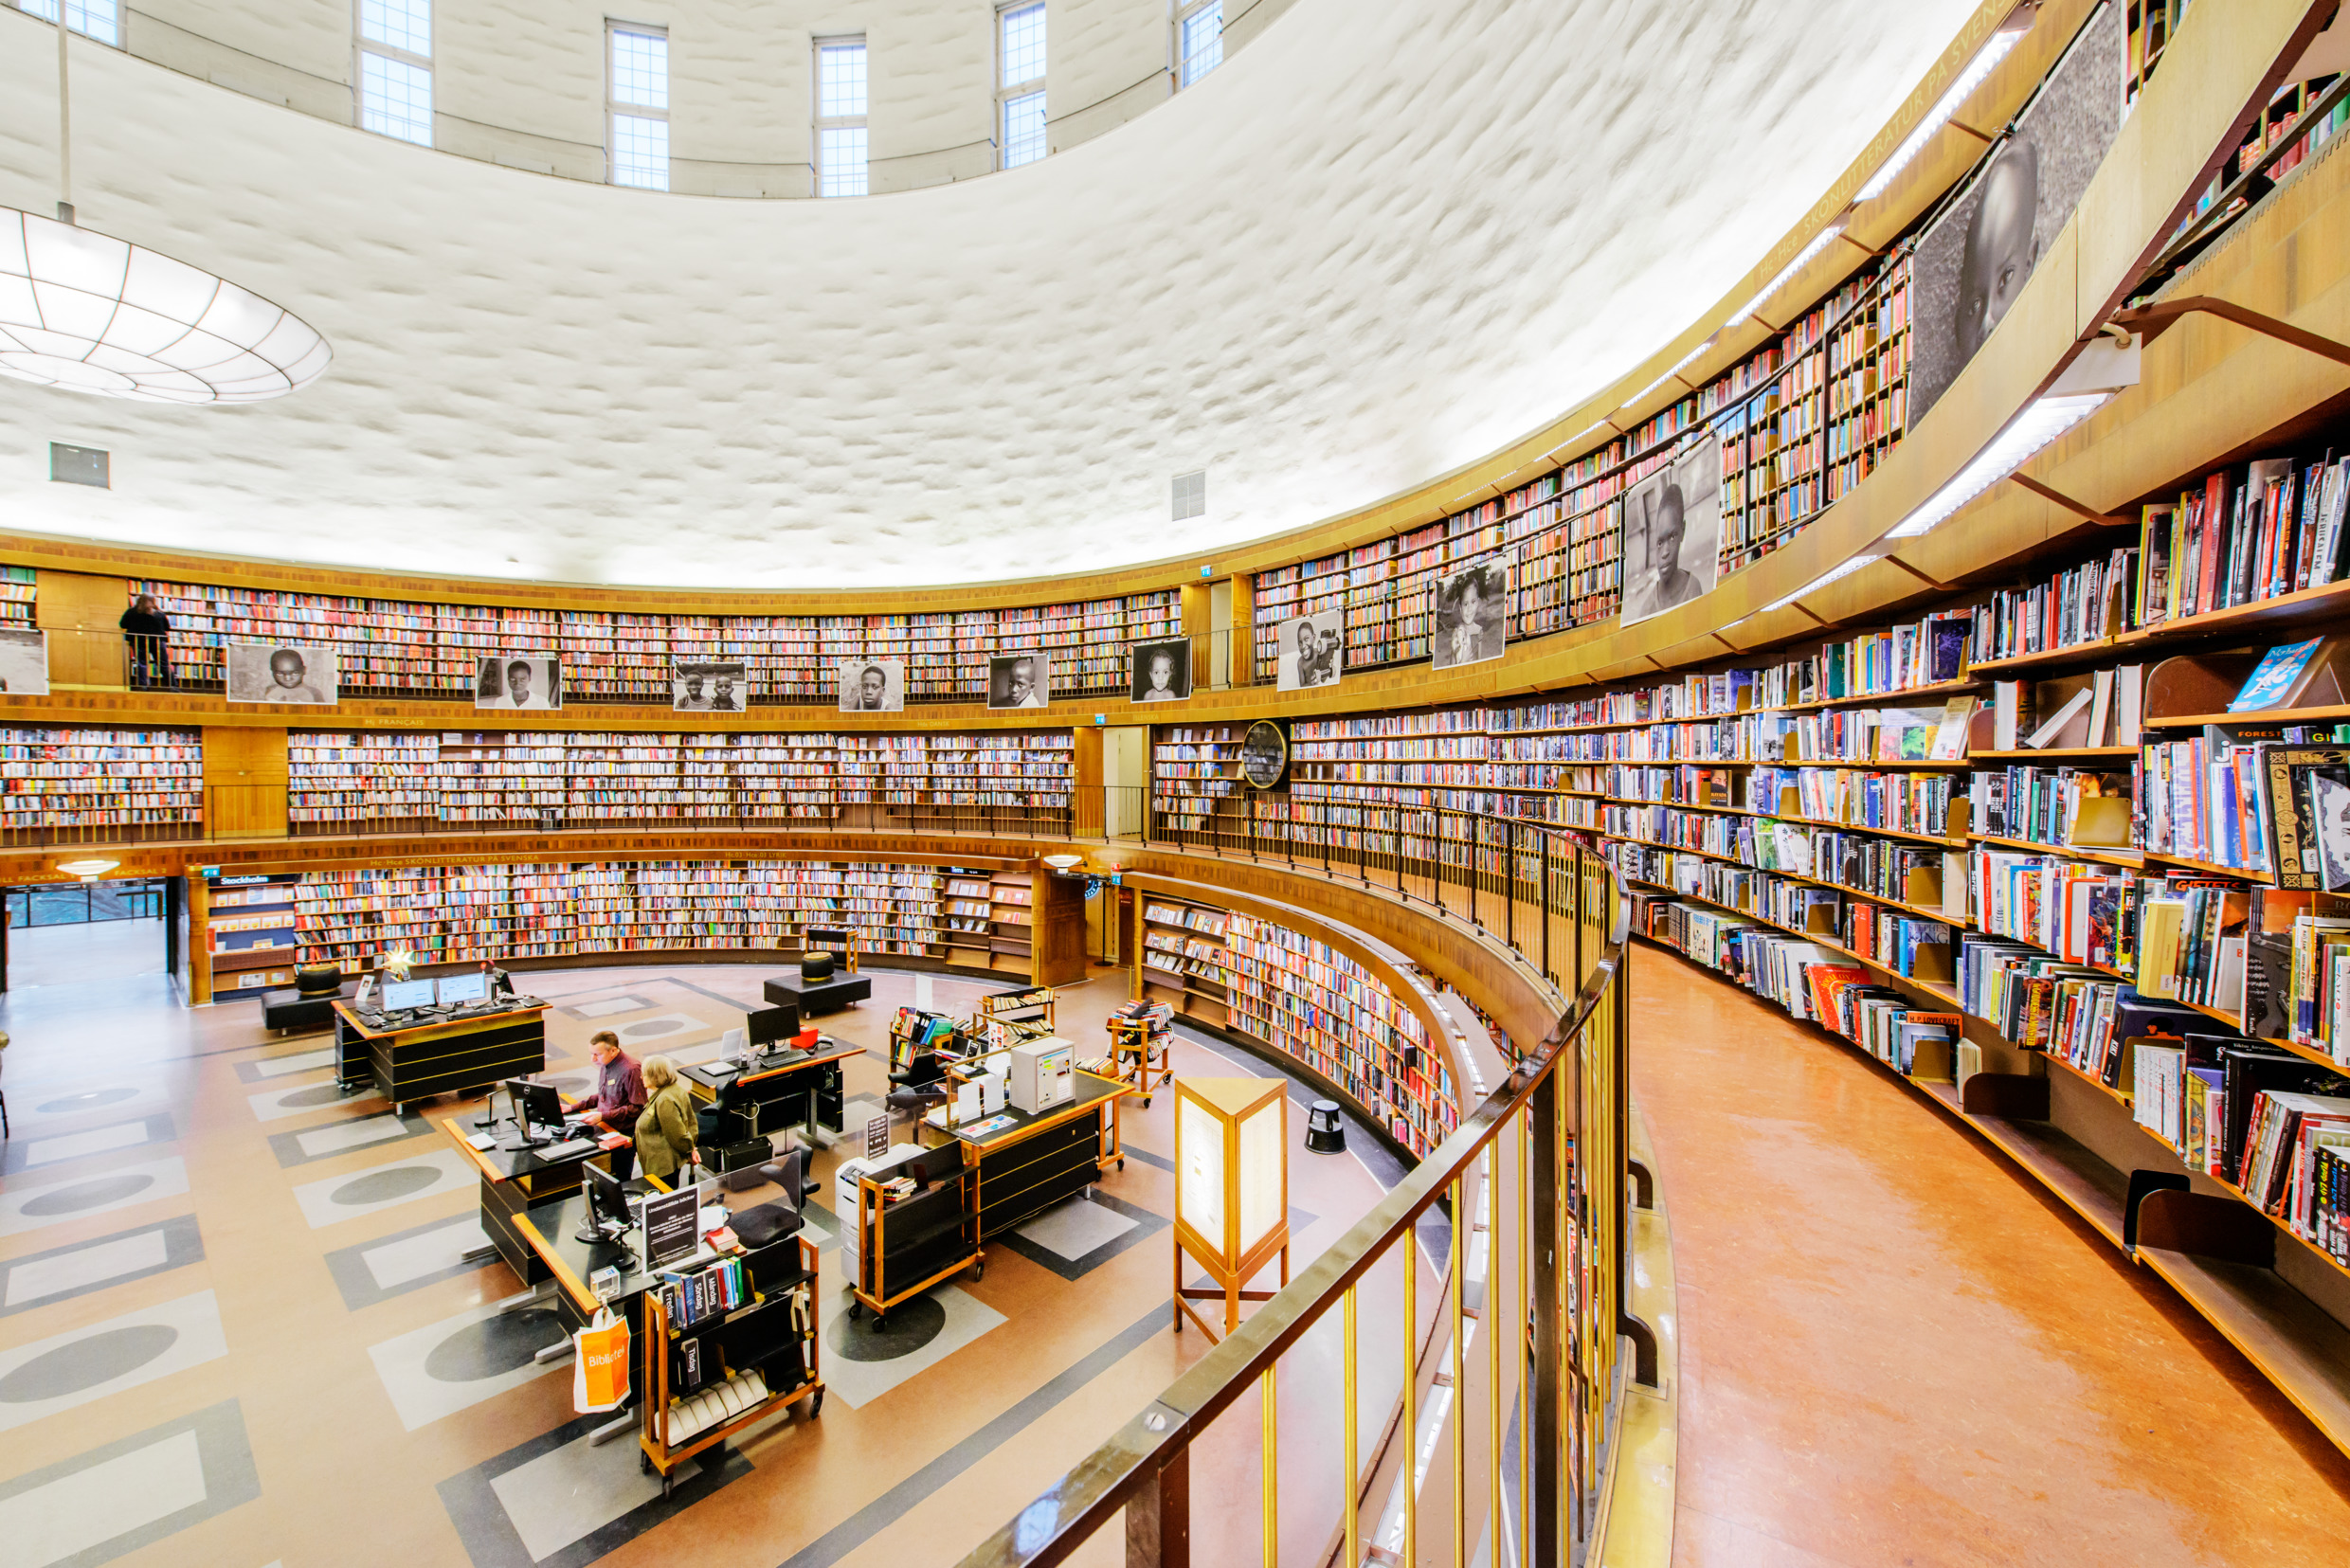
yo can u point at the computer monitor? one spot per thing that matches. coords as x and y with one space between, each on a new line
770 1024
606 1216
402 994
539 1105
457 988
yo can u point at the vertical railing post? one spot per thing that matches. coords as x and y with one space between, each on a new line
1549 1540
1158 1517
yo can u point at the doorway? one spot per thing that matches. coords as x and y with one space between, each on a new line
1126 780
69 933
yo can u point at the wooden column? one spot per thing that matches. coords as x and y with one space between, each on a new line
1086 809
244 782
1244 629
82 615
1057 931
1199 625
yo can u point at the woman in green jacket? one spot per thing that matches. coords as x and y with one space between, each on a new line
665 1130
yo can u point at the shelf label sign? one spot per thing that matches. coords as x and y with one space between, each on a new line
669 1221
877 1138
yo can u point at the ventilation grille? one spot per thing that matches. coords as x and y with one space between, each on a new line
77 465
1191 494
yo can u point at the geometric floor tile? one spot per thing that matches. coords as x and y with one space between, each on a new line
607 1007
63 1272
337 1138
379 1187
943 1318
23 1154
269 1067
444 1367
560 1501
297 1099
60 1199
96 1507
405 1260
1080 1233
90 1363
121 1099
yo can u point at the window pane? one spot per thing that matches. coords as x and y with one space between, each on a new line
1024 44
1203 40
840 68
402 24
641 70
841 159
96 19
1024 130
641 153
395 98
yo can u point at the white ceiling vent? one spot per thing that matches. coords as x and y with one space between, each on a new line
1191 494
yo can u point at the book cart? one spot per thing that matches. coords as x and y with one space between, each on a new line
1138 1045
906 1245
769 1340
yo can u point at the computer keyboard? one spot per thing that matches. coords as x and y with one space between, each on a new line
567 1149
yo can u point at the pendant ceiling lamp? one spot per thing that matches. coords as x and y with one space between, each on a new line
82 310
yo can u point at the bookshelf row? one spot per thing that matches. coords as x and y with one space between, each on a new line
445 914
144 784
1305 999
340 781
1799 423
400 648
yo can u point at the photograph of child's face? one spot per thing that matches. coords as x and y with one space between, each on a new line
1162 672
2001 243
285 668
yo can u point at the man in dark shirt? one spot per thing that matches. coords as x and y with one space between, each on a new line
145 627
619 1098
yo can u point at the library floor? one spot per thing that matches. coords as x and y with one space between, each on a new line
235 1329
1895 1349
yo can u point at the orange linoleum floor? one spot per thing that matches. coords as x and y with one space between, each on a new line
1896 1350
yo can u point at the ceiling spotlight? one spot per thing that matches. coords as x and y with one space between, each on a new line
98 315
89 870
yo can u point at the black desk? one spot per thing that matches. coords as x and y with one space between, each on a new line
1040 1158
512 1183
287 1009
816 997
806 1084
439 1055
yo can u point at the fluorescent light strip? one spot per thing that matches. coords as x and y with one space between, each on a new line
1682 363
2017 444
1994 50
1822 581
1786 275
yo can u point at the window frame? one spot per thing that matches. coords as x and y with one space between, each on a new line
121 39
1184 12
361 45
1006 95
823 122
616 109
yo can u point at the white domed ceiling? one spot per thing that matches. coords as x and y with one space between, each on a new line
1383 241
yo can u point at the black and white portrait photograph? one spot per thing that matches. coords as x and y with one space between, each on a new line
707 686
1162 670
25 662
515 681
1673 532
1973 264
281 672
1312 651
873 686
2329 811
1473 613
1019 680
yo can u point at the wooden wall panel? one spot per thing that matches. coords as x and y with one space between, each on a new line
1057 930
244 783
83 612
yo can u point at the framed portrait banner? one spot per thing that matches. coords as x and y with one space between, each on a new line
1311 651
1471 616
284 671
1020 679
1162 670
25 662
518 682
873 686
1673 532
707 686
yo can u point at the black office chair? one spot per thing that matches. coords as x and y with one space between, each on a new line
921 1086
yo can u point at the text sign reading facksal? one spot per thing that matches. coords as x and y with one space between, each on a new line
669 1220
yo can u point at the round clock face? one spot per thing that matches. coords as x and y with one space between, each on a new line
1265 755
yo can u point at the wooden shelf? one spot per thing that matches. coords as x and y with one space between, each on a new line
2025 756
2133 859
2255 716
2295 1345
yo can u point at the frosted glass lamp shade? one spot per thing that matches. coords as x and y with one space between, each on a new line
82 310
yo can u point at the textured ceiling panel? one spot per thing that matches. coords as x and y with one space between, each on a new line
1386 239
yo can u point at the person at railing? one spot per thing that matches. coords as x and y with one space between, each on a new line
146 629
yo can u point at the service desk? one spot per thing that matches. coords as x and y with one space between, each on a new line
513 1182
445 1055
1030 1162
781 1088
815 997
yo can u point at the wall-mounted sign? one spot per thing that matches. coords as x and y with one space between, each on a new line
1265 754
